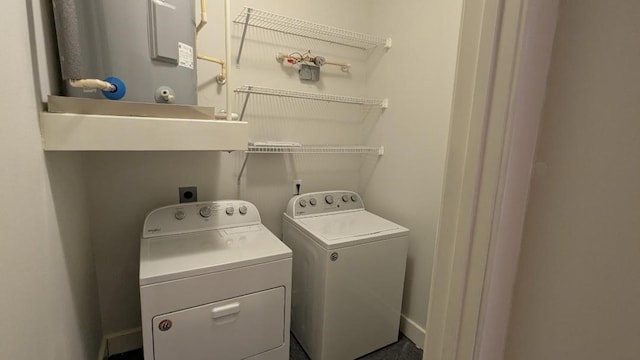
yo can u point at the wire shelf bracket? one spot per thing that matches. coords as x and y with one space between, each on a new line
249 89
287 25
308 149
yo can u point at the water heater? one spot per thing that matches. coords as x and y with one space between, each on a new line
144 49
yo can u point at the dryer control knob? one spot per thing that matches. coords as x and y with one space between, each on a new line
313 201
303 203
229 211
345 198
242 210
179 215
328 199
205 211
354 198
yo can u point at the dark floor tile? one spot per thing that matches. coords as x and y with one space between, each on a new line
130 355
403 349
295 350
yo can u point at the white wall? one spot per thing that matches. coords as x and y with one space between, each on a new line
576 294
49 300
403 185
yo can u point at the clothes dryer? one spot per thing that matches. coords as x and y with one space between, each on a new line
348 275
214 284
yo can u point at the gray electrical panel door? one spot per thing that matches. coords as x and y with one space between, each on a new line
164 41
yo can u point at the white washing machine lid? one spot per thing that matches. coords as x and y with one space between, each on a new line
175 257
350 228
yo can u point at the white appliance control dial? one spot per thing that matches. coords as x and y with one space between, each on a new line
179 215
229 211
325 202
242 210
205 211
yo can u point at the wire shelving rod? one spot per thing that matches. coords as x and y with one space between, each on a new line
249 89
292 26
308 149
315 149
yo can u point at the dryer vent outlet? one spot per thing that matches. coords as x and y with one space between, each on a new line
188 194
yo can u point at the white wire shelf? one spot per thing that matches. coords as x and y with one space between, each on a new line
284 24
315 149
308 149
287 25
250 89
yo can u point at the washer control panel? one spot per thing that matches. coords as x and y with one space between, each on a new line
199 216
324 202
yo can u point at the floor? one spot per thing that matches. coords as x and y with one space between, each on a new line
404 349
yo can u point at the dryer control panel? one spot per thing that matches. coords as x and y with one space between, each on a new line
325 202
199 216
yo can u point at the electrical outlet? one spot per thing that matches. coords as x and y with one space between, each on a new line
188 194
297 186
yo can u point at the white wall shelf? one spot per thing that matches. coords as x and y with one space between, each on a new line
81 132
250 89
309 149
287 25
315 149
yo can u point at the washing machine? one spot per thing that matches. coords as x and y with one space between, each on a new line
214 284
348 275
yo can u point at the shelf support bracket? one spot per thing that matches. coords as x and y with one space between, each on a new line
244 165
244 33
244 106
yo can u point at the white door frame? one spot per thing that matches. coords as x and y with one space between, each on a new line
495 83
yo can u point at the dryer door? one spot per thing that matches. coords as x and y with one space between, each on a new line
231 329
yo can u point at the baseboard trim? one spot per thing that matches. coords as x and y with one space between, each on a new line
102 353
120 342
412 330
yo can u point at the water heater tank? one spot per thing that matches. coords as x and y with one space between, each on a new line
144 46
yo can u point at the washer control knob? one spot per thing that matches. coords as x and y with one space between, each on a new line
302 203
345 198
242 210
180 215
229 210
313 201
328 199
354 197
205 211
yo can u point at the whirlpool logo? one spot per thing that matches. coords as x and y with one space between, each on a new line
154 230
165 325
